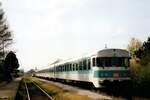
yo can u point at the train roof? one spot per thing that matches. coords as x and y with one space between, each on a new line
101 53
113 53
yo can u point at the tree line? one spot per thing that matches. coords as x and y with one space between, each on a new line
8 60
140 66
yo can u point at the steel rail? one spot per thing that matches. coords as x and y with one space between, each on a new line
43 91
27 91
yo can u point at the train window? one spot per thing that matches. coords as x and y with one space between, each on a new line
63 68
67 67
89 63
101 62
112 61
93 61
70 67
84 64
108 61
59 69
56 69
80 65
77 66
74 66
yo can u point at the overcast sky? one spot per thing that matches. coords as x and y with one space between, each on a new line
45 30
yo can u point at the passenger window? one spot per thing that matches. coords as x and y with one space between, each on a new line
73 67
77 67
67 67
89 63
93 61
80 65
63 68
84 64
70 67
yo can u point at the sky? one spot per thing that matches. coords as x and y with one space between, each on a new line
46 30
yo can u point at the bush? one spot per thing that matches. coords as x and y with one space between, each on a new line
140 79
2 72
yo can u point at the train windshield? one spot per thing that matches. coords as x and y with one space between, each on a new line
112 61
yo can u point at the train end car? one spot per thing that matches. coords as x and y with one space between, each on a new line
110 65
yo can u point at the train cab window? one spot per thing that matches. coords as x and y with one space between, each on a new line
112 61
101 62
93 61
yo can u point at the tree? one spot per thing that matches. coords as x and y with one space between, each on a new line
11 64
5 35
144 52
133 46
5 41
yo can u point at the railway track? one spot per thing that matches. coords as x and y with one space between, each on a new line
32 91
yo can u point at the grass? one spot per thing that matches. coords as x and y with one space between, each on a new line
60 94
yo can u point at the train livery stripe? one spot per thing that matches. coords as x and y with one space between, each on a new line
110 73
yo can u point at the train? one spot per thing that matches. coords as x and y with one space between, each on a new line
107 65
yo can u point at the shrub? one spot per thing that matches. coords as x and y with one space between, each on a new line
140 79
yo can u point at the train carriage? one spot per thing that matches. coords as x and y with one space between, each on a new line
105 65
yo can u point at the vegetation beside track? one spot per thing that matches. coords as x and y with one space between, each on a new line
60 94
140 69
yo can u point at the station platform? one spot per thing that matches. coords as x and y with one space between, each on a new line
8 90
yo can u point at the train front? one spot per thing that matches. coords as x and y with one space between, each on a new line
110 65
